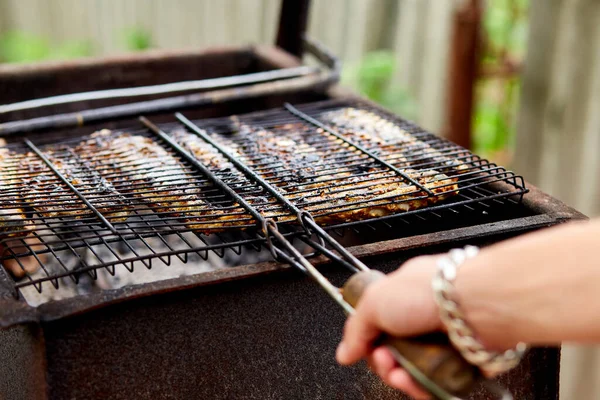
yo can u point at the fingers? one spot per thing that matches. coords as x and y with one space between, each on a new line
401 304
383 364
357 341
401 380
360 331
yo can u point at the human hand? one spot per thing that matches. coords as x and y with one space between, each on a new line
402 305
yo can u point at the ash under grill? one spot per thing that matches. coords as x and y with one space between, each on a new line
76 209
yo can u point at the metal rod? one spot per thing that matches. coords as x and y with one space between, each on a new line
330 289
243 167
208 173
341 249
323 54
70 186
203 84
316 82
112 113
313 121
329 254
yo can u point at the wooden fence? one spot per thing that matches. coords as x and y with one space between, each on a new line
558 140
416 30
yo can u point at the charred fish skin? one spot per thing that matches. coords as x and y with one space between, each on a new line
33 184
371 129
228 173
142 169
286 159
295 159
15 226
13 219
51 198
101 193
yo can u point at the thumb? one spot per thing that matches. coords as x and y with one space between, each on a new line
401 305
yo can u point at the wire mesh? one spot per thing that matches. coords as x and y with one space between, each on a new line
71 207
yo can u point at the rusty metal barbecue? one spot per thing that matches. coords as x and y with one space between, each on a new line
193 182
204 297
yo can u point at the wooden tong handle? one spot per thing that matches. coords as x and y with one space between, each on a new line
432 354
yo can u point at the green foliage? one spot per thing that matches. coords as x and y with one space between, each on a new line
137 39
373 77
23 47
505 26
17 47
492 129
71 50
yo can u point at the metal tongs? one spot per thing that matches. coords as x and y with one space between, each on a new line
431 360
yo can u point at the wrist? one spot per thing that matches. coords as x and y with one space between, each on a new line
479 289
460 331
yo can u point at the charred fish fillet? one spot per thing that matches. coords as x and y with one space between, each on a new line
395 144
308 173
13 221
51 198
227 172
31 183
139 167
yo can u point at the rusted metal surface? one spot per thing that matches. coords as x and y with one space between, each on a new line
464 64
19 82
293 19
183 102
392 248
31 81
196 85
549 212
319 81
23 363
267 336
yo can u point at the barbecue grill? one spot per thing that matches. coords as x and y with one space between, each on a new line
113 286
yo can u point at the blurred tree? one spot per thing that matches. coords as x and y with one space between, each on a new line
372 77
137 39
24 47
17 47
505 33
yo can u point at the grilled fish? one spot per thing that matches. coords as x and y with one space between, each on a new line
394 144
317 179
15 227
139 167
227 172
51 198
13 221
29 182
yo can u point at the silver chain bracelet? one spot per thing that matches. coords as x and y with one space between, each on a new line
460 334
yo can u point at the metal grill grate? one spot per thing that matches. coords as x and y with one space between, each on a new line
74 206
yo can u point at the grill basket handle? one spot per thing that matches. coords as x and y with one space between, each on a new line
432 355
